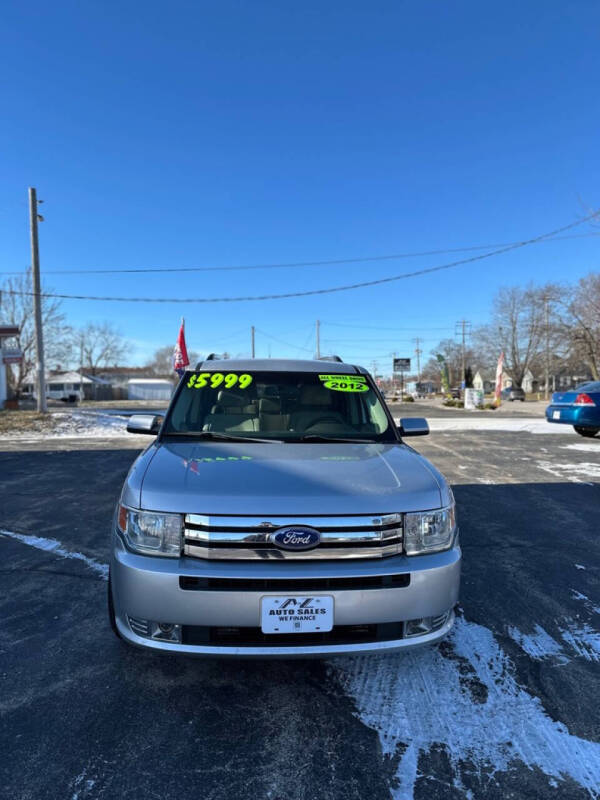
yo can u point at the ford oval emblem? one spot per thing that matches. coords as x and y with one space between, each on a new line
296 537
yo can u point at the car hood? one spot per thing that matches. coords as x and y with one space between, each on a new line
300 479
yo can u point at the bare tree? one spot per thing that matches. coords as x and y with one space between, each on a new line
452 352
161 362
17 309
98 345
582 323
517 329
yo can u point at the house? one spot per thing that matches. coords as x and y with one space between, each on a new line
529 384
66 386
7 356
484 380
423 388
119 377
568 378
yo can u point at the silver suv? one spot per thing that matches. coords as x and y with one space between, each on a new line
278 512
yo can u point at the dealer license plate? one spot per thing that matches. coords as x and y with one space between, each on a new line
556 415
296 614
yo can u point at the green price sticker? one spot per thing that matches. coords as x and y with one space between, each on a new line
215 379
345 383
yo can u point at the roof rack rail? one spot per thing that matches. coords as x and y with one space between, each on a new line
331 358
209 357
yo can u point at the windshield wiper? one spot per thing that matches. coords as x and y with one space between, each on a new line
220 437
316 437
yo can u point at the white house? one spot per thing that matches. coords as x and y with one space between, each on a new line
484 381
528 385
60 386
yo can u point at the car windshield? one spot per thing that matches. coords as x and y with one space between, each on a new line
288 406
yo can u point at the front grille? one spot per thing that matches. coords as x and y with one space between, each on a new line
340 634
295 584
249 538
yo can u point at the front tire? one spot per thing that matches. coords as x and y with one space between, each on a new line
589 433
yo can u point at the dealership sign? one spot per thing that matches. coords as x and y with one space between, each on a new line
402 365
9 330
12 356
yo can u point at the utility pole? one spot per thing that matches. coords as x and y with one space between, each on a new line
81 394
547 365
463 327
252 338
418 352
318 339
42 406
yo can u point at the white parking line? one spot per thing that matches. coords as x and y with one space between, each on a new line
54 546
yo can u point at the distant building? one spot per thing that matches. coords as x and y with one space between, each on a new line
66 386
564 379
484 380
149 389
529 384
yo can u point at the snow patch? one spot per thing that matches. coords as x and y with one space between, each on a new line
69 424
539 644
54 546
595 448
525 425
464 697
584 640
585 600
587 469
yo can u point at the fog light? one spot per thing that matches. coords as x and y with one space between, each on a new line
417 627
166 631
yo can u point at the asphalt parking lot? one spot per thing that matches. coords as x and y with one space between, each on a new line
506 707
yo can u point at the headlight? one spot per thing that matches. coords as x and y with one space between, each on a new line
151 534
429 531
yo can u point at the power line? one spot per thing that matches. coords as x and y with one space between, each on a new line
311 292
280 341
382 328
394 340
331 262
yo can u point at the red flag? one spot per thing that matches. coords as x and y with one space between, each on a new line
180 356
498 392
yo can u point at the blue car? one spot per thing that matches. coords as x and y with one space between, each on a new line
579 407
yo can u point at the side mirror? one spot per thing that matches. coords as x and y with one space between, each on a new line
413 426
144 423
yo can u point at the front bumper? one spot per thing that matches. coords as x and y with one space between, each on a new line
149 588
585 416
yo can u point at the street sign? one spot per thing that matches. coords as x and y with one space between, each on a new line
8 330
402 365
11 356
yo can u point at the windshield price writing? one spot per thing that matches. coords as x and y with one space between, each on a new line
215 379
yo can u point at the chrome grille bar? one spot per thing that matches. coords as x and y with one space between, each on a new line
248 538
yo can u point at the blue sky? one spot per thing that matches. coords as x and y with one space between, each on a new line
233 133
